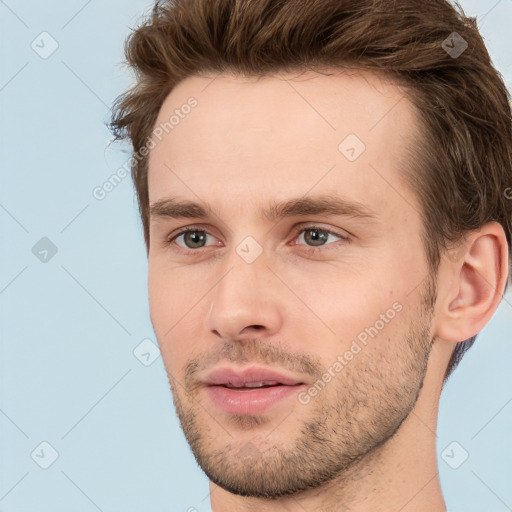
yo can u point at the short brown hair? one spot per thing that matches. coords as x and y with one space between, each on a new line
462 165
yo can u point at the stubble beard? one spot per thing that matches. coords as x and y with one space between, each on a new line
345 428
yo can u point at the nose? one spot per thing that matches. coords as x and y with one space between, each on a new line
246 302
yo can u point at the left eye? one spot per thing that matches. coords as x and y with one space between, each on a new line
317 236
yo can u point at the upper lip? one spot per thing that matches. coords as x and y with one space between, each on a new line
240 377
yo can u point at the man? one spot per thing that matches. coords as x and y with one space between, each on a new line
322 189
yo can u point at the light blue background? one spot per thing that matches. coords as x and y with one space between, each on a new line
69 326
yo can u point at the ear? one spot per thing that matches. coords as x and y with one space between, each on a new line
472 280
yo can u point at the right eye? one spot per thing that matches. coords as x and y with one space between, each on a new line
192 238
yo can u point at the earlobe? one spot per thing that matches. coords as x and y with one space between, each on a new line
475 284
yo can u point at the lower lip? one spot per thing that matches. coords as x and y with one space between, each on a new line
250 401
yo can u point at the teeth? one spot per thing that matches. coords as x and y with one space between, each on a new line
254 384
260 384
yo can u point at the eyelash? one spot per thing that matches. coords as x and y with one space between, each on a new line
310 249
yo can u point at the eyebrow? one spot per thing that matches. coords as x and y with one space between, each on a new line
327 205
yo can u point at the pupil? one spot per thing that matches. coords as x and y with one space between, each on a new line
317 236
196 239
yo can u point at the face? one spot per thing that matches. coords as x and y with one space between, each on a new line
293 317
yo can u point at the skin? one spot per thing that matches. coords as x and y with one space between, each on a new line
366 441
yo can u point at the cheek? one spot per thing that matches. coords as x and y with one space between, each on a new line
175 312
162 302
163 309
171 293
346 302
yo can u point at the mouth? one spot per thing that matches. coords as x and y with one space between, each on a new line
250 391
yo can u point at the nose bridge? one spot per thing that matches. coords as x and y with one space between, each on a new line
244 297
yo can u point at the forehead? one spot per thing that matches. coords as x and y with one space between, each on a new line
282 136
